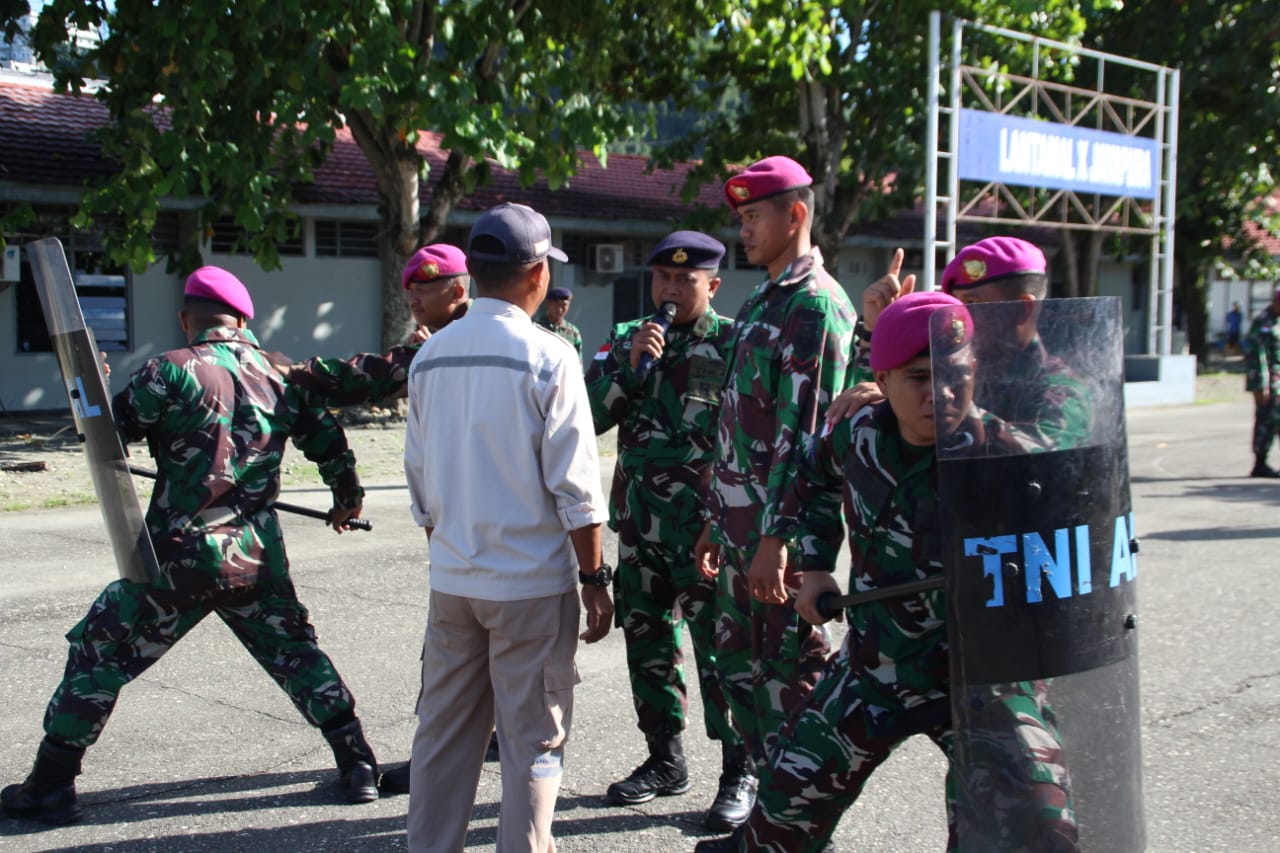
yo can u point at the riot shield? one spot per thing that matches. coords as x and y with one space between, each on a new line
91 407
1041 575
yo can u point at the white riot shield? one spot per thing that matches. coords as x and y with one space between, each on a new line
91 407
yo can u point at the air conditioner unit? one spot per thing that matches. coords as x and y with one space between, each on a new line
608 257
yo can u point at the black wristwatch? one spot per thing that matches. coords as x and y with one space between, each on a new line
602 576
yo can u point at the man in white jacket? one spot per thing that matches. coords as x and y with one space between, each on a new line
501 461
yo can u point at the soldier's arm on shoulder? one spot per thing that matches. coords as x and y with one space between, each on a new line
318 434
365 377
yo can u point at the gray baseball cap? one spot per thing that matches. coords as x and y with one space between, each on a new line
512 234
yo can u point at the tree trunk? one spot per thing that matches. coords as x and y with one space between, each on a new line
1190 292
1070 262
398 240
1081 254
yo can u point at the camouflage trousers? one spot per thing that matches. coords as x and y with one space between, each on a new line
130 626
1014 779
1266 424
768 658
659 588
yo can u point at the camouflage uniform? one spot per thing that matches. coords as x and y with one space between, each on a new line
363 378
366 377
564 329
1039 395
666 437
215 415
891 678
1262 366
790 358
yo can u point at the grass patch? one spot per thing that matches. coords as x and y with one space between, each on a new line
67 500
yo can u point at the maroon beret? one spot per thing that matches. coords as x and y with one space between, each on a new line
218 285
438 260
902 330
992 259
765 179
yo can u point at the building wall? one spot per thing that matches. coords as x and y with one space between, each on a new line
326 306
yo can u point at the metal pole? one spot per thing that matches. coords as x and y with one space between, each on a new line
931 155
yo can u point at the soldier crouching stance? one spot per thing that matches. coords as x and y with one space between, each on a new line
216 416
890 679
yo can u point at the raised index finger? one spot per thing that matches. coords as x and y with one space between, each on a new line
895 266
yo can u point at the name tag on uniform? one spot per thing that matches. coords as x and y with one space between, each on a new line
706 379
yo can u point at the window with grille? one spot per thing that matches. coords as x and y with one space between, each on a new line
339 238
103 290
230 239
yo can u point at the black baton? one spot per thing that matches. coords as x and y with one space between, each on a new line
350 523
830 604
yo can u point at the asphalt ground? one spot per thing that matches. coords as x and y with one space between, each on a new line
204 753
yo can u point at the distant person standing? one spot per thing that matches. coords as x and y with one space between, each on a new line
1235 317
553 316
1262 377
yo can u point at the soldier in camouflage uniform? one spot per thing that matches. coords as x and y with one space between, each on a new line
436 285
216 416
666 421
1262 377
890 679
554 309
790 357
1053 405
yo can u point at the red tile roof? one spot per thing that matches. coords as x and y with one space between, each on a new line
1270 240
44 139
43 135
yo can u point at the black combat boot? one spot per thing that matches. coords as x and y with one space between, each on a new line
663 774
49 792
728 844
395 780
357 768
1262 469
737 792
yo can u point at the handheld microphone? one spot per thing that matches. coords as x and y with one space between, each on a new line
663 318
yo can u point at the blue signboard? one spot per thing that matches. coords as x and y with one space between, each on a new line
1030 153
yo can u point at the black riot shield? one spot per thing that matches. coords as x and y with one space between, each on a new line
1041 577
91 407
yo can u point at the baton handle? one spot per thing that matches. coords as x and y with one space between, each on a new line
830 604
323 515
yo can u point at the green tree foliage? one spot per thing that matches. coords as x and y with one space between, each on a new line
231 104
1228 133
841 87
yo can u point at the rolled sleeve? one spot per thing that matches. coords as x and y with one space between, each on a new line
570 459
